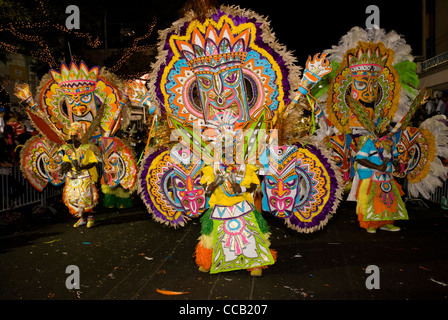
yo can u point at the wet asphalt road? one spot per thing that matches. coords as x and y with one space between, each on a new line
128 256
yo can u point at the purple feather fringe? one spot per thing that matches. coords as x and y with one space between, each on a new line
328 207
144 171
237 20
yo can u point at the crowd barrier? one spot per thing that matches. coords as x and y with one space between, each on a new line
440 193
17 192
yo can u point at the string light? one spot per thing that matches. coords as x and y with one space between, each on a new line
134 48
29 32
4 105
19 28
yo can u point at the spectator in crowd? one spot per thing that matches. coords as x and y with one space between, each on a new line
441 106
431 106
7 146
15 121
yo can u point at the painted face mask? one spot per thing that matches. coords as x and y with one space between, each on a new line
77 93
216 57
78 85
169 186
365 73
41 163
222 65
412 152
119 166
301 186
281 185
366 66
186 182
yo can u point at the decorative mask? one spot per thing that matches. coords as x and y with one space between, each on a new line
365 74
76 94
366 66
413 151
119 165
302 186
216 56
281 185
225 63
41 163
78 85
186 183
170 189
341 146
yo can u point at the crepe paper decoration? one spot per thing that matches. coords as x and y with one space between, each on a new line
416 103
342 146
191 51
84 91
37 116
169 186
239 241
420 150
303 186
40 163
315 70
119 165
170 293
89 103
396 76
363 115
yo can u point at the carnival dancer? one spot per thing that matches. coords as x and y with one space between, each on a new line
80 193
378 196
234 234
96 108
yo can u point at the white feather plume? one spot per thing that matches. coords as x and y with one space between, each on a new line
438 172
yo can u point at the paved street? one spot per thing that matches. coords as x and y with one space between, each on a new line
128 256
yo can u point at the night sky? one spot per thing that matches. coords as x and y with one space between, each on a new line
305 27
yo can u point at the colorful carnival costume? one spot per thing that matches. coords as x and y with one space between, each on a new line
373 85
378 197
374 67
234 234
116 197
88 105
222 83
78 164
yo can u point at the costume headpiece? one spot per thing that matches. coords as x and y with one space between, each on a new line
367 62
214 47
76 79
380 56
76 129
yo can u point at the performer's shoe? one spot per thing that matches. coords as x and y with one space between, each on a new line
90 222
390 227
79 223
371 230
256 272
202 269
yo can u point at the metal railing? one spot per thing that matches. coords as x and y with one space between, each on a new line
17 192
434 61
440 193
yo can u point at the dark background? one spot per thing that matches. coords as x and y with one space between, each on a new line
305 27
